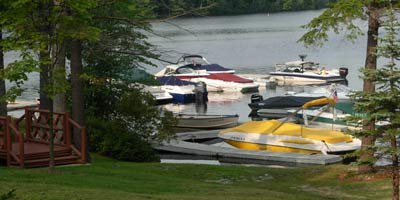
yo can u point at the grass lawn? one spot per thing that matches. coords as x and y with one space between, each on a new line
109 179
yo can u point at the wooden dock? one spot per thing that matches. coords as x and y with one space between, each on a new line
191 148
19 105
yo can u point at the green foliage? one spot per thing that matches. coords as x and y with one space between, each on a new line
112 139
123 120
383 105
233 7
129 125
338 18
8 195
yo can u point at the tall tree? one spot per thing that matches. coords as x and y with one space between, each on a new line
341 16
77 89
384 103
3 103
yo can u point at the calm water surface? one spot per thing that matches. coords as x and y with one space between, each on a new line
252 44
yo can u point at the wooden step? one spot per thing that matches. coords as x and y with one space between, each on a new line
45 155
38 150
64 160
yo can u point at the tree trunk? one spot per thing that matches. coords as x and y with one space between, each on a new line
59 102
370 63
78 101
395 170
45 100
44 57
3 105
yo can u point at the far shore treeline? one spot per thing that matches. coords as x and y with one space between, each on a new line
234 7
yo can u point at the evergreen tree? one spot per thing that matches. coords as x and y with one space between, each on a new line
384 103
340 17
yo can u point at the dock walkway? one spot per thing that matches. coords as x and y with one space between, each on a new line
181 146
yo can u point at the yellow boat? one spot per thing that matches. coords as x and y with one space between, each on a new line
281 136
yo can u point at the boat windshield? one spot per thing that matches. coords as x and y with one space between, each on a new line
184 70
195 60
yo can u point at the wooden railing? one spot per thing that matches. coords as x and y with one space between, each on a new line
82 132
18 138
37 130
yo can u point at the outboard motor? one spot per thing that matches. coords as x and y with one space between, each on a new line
201 93
256 98
343 72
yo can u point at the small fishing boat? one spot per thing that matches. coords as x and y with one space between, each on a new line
278 106
306 73
206 121
161 96
274 135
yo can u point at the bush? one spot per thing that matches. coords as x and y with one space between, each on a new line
110 138
129 126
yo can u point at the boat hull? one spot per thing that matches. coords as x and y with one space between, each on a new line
288 137
183 98
287 78
206 121
281 143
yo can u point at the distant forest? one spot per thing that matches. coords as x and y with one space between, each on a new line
235 7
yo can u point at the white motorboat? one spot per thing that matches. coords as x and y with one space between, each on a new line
330 116
306 73
196 68
198 62
206 121
339 91
228 82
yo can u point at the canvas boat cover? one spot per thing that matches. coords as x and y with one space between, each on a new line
229 78
172 80
276 127
282 102
214 68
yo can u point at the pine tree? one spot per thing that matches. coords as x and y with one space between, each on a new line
384 103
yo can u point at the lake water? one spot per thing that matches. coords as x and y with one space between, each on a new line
252 44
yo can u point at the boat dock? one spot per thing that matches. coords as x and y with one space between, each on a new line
191 148
18 105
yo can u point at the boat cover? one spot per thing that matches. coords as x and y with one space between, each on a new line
282 102
229 78
214 68
318 102
172 80
276 127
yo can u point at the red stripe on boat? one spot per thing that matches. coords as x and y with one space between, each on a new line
229 78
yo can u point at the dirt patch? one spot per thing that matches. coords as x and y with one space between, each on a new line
329 191
377 174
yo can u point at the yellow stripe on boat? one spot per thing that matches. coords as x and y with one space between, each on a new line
254 146
297 141
290 129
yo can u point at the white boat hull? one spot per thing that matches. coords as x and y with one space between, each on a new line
306 78
206 121
279 141
214 85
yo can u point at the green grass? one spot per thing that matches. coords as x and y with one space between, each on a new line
109 179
